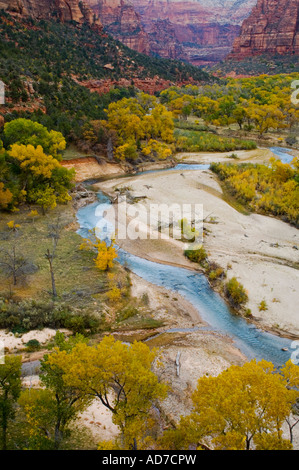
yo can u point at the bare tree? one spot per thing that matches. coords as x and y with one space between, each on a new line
54 234
12 263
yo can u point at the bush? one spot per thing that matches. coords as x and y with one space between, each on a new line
197 256
127 313
21 317
236 293
291 140
33 345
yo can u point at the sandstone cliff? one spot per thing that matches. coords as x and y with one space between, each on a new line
272 28
64 10
199 31
123 22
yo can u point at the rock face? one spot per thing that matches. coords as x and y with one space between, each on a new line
272 28
199 31
164 42
64 10
123 22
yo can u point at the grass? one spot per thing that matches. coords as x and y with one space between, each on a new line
80 285
72 153
199 141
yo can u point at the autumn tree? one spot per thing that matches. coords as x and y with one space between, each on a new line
135 121
10 389
120 376
26 132
52 410
6 196
44 181
242 408
266 117
105 253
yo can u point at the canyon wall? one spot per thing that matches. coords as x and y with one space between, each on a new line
64 10
272 28
198 31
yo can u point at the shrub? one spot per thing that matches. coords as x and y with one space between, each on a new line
263 306
236 293
197 256
20 317
127 312
33 345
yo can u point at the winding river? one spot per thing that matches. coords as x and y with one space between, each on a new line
193 286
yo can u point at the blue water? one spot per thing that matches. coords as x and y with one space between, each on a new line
179 166
283 154
253 342
280 152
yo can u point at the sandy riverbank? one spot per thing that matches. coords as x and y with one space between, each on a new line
260 155
260 251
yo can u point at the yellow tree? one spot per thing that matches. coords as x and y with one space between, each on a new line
106 254
33 160
242 407
120 376
266 117
6 196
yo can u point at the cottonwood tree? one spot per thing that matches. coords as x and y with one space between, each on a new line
120 376
105 253
242 408
51 411
10 389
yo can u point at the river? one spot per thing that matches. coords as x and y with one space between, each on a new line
194 287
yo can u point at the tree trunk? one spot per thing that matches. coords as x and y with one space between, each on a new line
4 426
49 258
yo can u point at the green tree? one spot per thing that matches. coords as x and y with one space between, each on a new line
51 411
120 376
10 389
26 132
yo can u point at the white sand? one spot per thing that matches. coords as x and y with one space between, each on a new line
13 343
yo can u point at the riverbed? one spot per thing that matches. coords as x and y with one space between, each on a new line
156 264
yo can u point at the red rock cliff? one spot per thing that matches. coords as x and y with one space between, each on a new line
272 28
199 31
65 10
123 22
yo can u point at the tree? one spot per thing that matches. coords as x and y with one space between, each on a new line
6 196
52 410
266 117
243 407
236 292
120 376
106 254
44 181
33 162
54 234
10 389
11 262
26 132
